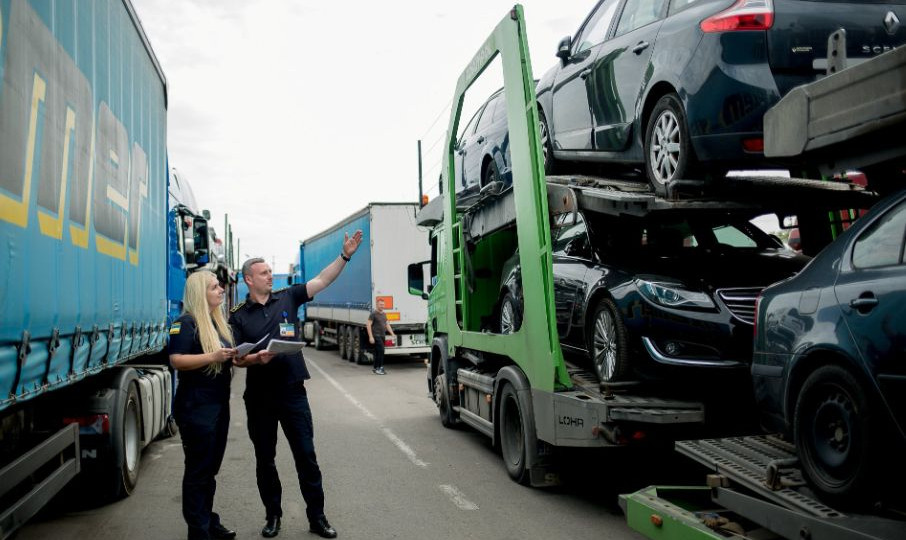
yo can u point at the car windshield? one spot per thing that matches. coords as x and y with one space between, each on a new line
674 234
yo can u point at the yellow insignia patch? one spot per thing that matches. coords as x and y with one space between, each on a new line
174 330
237 306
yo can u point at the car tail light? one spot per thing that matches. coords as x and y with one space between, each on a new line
743 15
753 145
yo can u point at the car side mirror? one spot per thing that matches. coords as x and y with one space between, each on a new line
564 47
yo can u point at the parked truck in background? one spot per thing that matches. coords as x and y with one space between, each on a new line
95 256
337 316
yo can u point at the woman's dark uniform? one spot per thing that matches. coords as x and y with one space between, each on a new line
202 412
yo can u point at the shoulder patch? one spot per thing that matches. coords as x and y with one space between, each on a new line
174 328
235 308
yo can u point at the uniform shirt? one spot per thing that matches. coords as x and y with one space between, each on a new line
184 339
378 325
251 321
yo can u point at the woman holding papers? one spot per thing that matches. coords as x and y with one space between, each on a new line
201 349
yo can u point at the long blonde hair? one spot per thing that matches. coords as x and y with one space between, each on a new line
211 323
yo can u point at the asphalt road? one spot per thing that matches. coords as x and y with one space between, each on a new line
390 471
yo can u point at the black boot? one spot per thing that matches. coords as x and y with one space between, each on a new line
219 532
322 528
271 527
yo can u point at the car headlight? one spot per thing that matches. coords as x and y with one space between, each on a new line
673 295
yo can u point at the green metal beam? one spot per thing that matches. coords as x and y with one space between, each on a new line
536 346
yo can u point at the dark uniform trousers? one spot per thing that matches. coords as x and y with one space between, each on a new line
203 427
288 406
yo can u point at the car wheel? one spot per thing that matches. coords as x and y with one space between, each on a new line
490 174
442 399
510 315
547 145
608 343
512 435
668 150
835 435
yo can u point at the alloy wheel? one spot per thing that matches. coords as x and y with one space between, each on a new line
605 346
665 147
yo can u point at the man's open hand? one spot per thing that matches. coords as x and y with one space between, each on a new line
351 244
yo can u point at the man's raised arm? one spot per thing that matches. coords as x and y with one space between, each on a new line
330 273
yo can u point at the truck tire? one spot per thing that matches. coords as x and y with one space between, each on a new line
350 330
357 355
837 437
126 439
448 417
513 438
342 342
319 342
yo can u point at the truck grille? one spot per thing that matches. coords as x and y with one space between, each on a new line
741 302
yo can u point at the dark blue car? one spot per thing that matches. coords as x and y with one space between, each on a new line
829 364
483 149
681 86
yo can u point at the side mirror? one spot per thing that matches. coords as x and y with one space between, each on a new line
206 214
416 279
564 47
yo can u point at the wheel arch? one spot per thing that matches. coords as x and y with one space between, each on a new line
657 91
516 377
439 357
807 364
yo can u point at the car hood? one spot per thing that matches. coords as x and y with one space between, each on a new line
737 268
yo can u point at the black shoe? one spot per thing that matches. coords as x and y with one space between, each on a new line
271 527
322 528
220 532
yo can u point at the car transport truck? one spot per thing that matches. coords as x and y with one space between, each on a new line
337 316
95 256
518 388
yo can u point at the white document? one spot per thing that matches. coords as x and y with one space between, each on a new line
245 348
280 346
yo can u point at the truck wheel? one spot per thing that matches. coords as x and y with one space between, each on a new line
350 330
342 343
442 398
512 435
357 355
836 436
510 315
608 343
126 438
319 342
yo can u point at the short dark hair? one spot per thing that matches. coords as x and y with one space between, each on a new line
247 265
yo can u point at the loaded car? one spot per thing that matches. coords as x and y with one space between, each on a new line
829 365
483 148
681 86
658 296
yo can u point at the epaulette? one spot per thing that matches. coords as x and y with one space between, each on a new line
237 306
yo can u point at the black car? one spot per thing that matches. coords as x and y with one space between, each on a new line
829 364
656 296
483 149
682 86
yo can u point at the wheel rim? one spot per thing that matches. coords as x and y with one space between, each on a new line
440 383
605 345
131 435
664 155
507 315
831 433
545 143
513 434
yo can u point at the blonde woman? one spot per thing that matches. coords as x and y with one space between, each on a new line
201 350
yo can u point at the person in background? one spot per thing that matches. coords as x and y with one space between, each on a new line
201 349
377 329
275 392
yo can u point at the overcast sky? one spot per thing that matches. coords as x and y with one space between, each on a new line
291 115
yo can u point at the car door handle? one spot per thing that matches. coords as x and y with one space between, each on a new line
585 73
642 45
480 140
864 303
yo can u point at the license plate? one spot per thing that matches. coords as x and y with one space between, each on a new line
417 339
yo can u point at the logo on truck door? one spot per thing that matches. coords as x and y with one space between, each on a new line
62 162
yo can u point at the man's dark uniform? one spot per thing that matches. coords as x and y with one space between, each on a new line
275 392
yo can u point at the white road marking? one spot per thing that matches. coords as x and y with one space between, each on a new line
399 443
457 497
